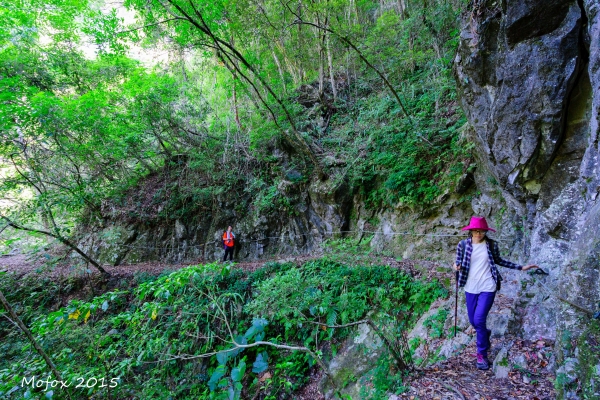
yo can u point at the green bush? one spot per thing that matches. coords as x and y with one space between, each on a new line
171 336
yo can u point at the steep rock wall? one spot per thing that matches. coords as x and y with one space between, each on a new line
320 211
529 81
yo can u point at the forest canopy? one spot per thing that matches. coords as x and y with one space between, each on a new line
98 98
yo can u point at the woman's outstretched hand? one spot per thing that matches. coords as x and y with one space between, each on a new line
456 267
529 267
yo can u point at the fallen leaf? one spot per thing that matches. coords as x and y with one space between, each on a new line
266 375
451 373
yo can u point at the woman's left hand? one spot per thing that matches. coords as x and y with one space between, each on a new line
529 267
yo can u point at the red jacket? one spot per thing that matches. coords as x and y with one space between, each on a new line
228 238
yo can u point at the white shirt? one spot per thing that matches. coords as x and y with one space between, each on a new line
480 274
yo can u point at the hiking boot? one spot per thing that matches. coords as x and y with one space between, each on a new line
482 362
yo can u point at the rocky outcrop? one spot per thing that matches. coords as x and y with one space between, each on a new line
529 81
320 211
350 366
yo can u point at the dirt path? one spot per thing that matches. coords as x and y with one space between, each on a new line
457 377
21 264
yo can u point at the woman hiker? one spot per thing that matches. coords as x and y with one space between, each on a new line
228 243
477 259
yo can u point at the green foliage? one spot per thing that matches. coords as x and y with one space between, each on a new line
383 379
336 294
435 323
580 371
158 332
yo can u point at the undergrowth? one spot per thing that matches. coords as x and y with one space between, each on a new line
183 335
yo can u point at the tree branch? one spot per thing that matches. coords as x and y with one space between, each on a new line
201 25
364 321
59 238
362 57
149 25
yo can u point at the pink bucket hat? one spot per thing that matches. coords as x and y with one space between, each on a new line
478 223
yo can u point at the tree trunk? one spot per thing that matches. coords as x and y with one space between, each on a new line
281 75
403 8
331 71
321 38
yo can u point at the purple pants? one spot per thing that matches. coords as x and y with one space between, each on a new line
478 306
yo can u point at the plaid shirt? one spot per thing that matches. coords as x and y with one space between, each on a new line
493 254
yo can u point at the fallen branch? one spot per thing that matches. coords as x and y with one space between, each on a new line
402 364
364 321
455 390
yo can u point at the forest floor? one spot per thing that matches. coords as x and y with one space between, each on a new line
458 378
454 378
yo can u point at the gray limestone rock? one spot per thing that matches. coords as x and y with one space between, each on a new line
551 367
354 360
529 81
567 372
453 345
520 361
498 322
501 365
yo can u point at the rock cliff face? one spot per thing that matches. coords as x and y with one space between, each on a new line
529 80
320 211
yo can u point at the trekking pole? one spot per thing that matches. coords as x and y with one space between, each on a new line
455 303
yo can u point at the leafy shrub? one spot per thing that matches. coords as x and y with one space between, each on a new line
435 323
171 336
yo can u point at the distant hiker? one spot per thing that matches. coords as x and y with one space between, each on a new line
477 259
228 243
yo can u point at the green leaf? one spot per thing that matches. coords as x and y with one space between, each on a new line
216 377
261 364
223 357
258 326
237 373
